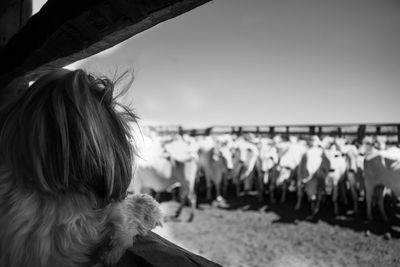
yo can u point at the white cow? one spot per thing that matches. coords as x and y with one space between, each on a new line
267 160
245 159
215 161
354 175
336 175
285 170
382 169
312 171
164 167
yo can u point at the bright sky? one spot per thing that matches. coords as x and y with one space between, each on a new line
266 62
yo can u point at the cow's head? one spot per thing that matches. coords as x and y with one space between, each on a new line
246 158
268 156
223 154
367 145
337 161
380 142
180 151
314 141
284 174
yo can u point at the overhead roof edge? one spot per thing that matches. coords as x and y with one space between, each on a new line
65 31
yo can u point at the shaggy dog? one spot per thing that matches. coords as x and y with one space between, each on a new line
66 160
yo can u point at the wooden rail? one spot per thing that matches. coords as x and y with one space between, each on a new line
352 131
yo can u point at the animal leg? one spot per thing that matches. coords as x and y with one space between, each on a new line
182 201
218 191
260 178
313 207
284 190
272 192
272 184
178 211
208 188
317 203
343 192
381 204
335 199
299 196
225 187
368 200
354 197
193 204
237 186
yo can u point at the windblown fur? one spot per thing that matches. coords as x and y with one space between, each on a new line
66 162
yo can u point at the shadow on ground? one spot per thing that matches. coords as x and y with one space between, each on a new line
288 215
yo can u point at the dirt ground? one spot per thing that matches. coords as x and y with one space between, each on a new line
245 233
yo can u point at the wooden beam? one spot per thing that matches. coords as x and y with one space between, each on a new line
65 31
13 15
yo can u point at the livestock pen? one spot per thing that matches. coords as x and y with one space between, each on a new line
247 232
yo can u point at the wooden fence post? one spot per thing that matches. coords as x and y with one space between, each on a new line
240 131
339 132
361 133
271 131
378 130
398 133
312 130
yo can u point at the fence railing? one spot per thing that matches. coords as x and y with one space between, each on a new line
353 131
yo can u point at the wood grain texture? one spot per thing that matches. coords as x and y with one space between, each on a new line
65 31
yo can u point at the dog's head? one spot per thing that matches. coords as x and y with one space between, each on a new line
67 134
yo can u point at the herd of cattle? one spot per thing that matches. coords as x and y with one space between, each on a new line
315 168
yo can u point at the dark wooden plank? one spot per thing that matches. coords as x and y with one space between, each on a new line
65 31
13 15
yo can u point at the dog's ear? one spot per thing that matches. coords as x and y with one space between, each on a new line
65 134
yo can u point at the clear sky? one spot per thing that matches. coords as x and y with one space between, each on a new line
266 62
